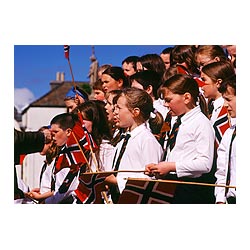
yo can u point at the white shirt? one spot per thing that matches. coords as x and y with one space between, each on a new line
142 149
218 104
45 184
159 106
58 197
194 148
222 166
105 157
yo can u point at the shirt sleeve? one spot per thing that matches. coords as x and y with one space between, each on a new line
221 172
195 154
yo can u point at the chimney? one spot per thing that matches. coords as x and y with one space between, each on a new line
62 76
59 79
58 76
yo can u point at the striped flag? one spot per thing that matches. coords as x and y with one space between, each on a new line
71 153
221 125
66 51
147 192
90 187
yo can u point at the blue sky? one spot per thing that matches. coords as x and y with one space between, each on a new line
36 65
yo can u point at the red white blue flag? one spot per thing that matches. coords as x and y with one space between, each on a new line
66 51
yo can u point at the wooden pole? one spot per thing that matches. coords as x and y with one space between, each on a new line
181 182
85 158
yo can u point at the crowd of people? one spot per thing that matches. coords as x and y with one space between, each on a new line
166 116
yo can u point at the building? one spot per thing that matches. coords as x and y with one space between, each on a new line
37 114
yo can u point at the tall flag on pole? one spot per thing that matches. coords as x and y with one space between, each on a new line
66 51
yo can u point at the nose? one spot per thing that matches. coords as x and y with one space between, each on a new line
166 104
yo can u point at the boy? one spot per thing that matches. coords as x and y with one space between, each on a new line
226 160
66 168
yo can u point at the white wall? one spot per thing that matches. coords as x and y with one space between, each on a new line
33 119
36 117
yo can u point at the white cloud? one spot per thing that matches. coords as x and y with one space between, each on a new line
23 97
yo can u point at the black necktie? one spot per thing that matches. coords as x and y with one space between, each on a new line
125 142
210 107
165 128
229 159
174 132
172 136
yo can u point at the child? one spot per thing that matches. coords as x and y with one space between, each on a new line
74 97
226 160
150 81
190 151
96 122
114 78
69 157
98 91
213 74
132 110
50 150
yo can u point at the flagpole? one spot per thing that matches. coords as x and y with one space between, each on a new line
85 158
180 182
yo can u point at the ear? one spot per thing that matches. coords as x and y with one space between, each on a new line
68 132
136 112
217 59
218 83
187 98
149 89
120 83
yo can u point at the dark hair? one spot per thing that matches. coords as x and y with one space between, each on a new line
65 120
219 70
153 62
117 74
97 85
94 111
147 78
167 50
83 92
131 59
184 53
181 84
228 82
211 51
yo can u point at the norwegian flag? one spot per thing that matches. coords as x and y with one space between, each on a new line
221 125
74 169
90 187
71 154
182 70
66 51
147 192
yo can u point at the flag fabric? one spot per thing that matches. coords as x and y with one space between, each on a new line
74 169
147 192
71 154
66 51
221 125
90 187
182 70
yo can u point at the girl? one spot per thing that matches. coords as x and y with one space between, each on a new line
189 153
213 74
113 78
206 54
131 112
95 121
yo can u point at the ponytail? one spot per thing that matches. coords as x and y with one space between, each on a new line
155 123
203 104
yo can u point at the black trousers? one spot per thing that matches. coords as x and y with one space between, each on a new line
191 193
